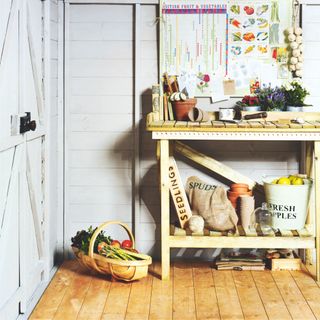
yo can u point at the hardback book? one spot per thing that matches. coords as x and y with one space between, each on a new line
156 100
165 108
240 261
242 267
236 256
170 110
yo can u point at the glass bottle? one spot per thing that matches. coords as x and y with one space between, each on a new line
263 218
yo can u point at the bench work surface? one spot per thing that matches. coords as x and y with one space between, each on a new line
308 126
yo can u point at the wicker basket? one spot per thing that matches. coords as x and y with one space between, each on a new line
119 269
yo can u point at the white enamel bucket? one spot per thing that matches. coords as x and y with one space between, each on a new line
288 204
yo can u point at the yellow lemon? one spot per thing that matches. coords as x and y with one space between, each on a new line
292 178
298 181
284 180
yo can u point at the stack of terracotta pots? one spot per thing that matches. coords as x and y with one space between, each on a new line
237 190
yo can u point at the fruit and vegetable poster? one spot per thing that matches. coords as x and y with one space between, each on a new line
205 42
194 46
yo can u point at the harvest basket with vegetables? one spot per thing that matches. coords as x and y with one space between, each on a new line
98 252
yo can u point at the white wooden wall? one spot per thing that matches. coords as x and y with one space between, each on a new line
310 24
99 126
99 115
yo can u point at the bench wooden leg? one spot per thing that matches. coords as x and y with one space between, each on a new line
165 260
165 209
308 168
317 204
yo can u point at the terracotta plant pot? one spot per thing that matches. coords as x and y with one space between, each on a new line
237 193
239 187
237 190
182 108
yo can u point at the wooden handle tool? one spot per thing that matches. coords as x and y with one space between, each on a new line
259 115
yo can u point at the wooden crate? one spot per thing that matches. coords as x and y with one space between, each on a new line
285 263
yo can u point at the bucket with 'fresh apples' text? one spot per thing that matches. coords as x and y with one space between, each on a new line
288 204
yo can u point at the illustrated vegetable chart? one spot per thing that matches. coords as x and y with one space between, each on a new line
249 29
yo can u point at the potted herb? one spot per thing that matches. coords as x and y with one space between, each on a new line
295 94
271 99
249 103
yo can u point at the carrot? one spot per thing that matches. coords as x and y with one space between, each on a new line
235 23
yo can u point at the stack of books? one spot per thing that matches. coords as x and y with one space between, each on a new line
239 261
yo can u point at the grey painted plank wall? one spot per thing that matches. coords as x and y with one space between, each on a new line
100 140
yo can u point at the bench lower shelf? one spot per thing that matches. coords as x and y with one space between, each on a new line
299 239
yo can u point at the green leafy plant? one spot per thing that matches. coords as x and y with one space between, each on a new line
295 93
82 239
271 99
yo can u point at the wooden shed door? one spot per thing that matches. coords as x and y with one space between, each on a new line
21 156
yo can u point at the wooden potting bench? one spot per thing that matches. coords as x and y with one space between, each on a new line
170 134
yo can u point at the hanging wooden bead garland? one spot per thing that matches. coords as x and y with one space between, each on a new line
294 36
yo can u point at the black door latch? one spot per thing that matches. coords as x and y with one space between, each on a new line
26 124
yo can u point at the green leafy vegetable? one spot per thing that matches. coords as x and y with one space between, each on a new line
236 36
82 239
121 254
262 9
235 9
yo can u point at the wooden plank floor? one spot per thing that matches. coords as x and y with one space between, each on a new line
195 291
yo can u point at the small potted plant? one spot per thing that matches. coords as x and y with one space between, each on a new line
271 99
295 94
249 103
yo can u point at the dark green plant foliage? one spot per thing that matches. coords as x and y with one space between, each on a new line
82 239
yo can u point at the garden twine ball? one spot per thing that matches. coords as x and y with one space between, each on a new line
296 53
292 67
293 60
196 223
291 37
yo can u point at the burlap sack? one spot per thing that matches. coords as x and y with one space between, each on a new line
212 204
